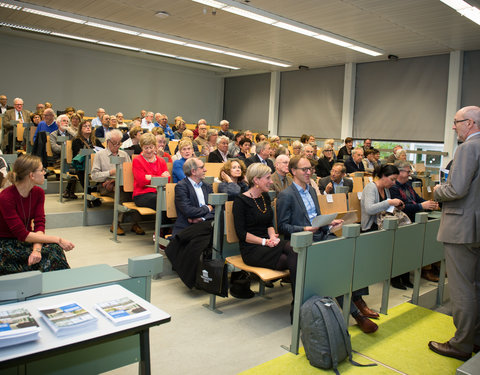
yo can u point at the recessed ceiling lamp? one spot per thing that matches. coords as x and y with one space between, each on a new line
291 25
162 14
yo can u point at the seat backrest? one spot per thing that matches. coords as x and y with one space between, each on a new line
69 155
170 200
367 179
354 204
169 167
338 203
215 187
172 145
127 177
33 129
230 223
213 169
357 184
48 146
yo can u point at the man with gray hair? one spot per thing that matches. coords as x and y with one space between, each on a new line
147 122
191 196
262 155
3 104
103 172
280 179
460 233
102 131
220 154
17 113
224 125
48 125
354 163
167 130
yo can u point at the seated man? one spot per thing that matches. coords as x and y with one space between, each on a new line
327 185
102 131
280 179
262 155
371 159
354 163
48 125
191 196
220 154
63 130
297 205
97 121
104 172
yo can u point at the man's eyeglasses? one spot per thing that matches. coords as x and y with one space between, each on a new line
306 169
455 122
115 143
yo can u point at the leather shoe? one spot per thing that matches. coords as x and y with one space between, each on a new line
138 229
120 231
365 310
365 324
448 351
430 276
397 284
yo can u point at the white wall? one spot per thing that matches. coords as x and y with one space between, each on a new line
66 75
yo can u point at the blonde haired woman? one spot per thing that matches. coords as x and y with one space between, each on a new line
24 246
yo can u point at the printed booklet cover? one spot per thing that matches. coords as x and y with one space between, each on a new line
17 326
67 318
122 310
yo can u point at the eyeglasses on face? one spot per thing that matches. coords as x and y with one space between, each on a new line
455 122
306 169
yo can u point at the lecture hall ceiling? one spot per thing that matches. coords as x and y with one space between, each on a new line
405 28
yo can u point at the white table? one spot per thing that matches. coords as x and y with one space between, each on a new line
49 344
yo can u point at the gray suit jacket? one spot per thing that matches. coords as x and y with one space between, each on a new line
323 182
277 183
460 196
292 215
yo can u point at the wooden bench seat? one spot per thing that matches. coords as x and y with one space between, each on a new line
266 274
141 210
105 199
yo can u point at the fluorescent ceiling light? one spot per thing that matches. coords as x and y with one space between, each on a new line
53 15
295 29
241 56
225 66
162 39
119 46
26 28
211 3
10 6
365 50
472 14
274 63
336 41
198 46
75 37
248 14
112 28
456 4
156 53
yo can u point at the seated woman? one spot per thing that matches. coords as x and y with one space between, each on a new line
161 144
376 199
253 216
233 179
211 144
186 152
84 139
189 134
75 121
297 148
144 167
23 244
132 143
325 162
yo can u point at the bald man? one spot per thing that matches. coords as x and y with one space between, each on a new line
280 179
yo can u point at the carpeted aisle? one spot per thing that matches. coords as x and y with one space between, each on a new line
400 343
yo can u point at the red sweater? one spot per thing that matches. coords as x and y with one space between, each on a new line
141 168
17 213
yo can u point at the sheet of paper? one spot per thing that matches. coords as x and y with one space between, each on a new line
359 195
348 218
322 220
429 189
390 209
329 198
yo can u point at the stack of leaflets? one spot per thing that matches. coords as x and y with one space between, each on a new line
122 310
16 327
67 318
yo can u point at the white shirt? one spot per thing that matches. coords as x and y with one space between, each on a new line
198 191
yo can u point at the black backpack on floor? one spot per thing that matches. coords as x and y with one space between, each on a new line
324 334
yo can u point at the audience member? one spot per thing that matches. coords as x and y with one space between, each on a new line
69 111
201 139
102 131
325 163
211 144
63 130
262 156
133 142
97 121
49 125
370 161
17 113
144 167
234 146
232 177
161 147
282 150
40 107
122 125
191 196
245 145
224 126
186 151
346 151
75 121
367 145
3 104
354 163
24 246
280 179
181 126
147 122
393 158
297 148
220 154
329 184
202 121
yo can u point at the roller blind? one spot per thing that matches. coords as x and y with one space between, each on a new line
402 100
311 102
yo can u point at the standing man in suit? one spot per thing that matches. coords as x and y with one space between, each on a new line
327 185
280 179
220 154
3 104
297 205
355 164
17 113
460 233
191 196
262 155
